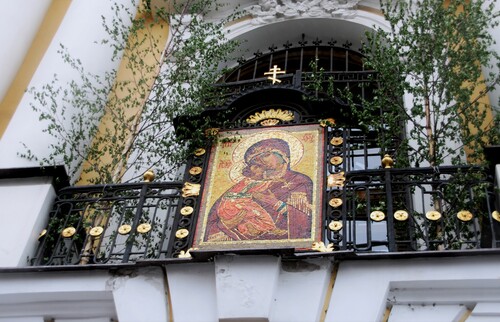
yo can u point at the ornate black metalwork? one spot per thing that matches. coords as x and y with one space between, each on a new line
136 222
332 42
188 222
367 208
347 44
447 209
141 221
317 41
341 68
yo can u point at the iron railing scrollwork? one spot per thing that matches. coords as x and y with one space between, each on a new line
186 217
418 209
106 224
370 210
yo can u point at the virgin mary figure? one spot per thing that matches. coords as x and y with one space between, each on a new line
271 201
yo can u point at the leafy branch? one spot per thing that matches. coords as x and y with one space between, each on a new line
432 55
114 127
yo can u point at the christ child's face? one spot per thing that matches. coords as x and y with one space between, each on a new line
256 172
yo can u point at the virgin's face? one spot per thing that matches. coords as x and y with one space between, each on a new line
270 160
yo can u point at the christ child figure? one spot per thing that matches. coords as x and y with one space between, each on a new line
240 213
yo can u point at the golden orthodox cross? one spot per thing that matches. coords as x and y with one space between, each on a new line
274 72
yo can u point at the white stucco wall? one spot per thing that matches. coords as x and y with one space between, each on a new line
428 282
263 288
415 289
95 295
24 208
230 288
79 31
14 45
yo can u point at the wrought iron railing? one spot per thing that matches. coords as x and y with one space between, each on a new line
418 209
372 211
105 224
303 80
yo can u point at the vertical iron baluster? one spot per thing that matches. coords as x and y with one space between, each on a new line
137 218
390 211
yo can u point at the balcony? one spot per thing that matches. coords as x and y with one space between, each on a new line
375 212
412 210
105 224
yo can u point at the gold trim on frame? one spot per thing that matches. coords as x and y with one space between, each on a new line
336 180
320 247
191 189
270 117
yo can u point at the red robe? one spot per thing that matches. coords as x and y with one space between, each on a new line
291 215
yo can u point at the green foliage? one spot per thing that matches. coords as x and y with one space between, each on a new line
138 111
432 55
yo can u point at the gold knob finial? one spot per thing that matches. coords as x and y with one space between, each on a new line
387 161
149 176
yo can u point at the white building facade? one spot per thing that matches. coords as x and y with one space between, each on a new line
388 282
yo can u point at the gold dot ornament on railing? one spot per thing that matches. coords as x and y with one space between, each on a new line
433 215
96 231
335 225
42 234
187 210
336 141
143 228
199 152
336 160
149 176
465 215
194 171
387 161
124 229
68 232
335 202
182 233
377 215
401 215
496 215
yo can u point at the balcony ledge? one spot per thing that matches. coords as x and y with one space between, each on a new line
286 254
57 173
